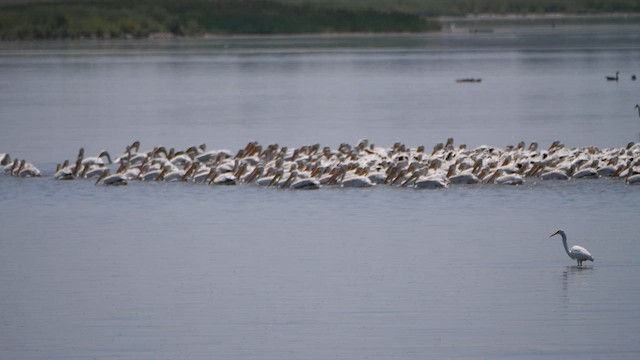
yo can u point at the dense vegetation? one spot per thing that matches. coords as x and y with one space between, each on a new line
466 7
121 18
59 19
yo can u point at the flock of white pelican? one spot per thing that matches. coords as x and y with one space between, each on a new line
360 165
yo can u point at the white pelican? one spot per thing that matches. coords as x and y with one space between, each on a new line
289 180
151 173
171 175
254 175
5 159
377 177
228 165
138 157
272 178
226 178
27 170
352 180
212 156
66 172
95 160
128 153
305 184
9 169
633 179
431 182
111 180
181 159
611 169
93 171
422 181
577 253
357 181
203 174
465 177
556 174
586 173
508 179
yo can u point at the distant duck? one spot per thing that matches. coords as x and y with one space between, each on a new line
638 107
633 77
470 80
613 78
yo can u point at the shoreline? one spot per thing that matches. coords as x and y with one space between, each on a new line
445 21
533 16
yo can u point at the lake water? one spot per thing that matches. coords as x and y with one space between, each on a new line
184 271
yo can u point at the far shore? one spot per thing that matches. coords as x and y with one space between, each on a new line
481 21
547 16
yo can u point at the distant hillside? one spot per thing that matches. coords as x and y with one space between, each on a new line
104 19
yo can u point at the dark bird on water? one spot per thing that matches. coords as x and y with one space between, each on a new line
613 78
469 80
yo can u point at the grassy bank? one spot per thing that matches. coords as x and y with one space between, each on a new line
125 19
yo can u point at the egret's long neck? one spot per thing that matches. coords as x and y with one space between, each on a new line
564 242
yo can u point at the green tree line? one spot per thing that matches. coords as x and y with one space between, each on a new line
139 19
64 19
466 7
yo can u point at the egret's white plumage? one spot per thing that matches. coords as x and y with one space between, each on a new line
577 253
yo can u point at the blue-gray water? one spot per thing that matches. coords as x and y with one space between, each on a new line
182 271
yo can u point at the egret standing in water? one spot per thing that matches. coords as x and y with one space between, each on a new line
578 253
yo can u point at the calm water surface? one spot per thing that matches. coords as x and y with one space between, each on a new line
182 271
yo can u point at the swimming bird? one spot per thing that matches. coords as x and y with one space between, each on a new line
107 179
638 107
633 179
305 184
10 168
5 158
27 169
95 160
577 253
66 171
613 78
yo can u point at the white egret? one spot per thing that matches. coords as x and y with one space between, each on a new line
578 253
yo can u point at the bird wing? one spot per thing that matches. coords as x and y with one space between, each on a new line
581 252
